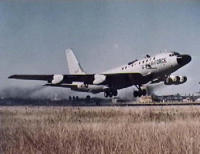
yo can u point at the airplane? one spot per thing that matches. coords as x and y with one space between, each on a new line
148 70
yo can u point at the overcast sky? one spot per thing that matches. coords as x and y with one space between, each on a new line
103 34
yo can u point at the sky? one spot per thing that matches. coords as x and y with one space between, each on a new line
103 34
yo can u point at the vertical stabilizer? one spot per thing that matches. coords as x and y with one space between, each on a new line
73 64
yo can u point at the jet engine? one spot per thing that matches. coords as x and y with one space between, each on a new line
183 79
99 78
80 85
175 80
57 78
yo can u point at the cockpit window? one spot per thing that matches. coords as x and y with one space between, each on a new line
174 54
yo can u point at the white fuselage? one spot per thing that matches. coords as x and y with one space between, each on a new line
160 65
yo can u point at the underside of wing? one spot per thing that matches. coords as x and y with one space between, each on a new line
85 78
114 80
121 80
56 79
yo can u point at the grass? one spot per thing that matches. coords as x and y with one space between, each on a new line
46 130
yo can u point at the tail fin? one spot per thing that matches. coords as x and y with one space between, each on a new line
73 64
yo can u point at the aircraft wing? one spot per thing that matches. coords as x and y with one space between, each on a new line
32 77
86 78
110 79
127 78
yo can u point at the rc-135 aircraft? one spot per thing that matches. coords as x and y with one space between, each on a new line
149 70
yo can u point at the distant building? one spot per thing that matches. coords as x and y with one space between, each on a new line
146 99
168 98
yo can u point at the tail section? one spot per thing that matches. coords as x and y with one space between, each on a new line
73 64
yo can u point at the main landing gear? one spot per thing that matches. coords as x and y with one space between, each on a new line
140 92
110 93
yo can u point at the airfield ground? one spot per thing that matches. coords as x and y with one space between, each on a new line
46 130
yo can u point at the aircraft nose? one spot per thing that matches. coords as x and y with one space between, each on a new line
184 59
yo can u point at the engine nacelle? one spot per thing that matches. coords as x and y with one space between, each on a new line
183 79
175 80
57 78
80 85
99 78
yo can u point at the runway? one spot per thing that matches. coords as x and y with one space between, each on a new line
94 103
158 104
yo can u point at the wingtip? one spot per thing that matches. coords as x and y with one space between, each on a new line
11 77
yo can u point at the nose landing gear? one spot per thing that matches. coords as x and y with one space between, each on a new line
140 92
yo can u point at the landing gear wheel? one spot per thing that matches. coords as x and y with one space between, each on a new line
144 92
110 94
115 93
136 93
106 94
141 92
